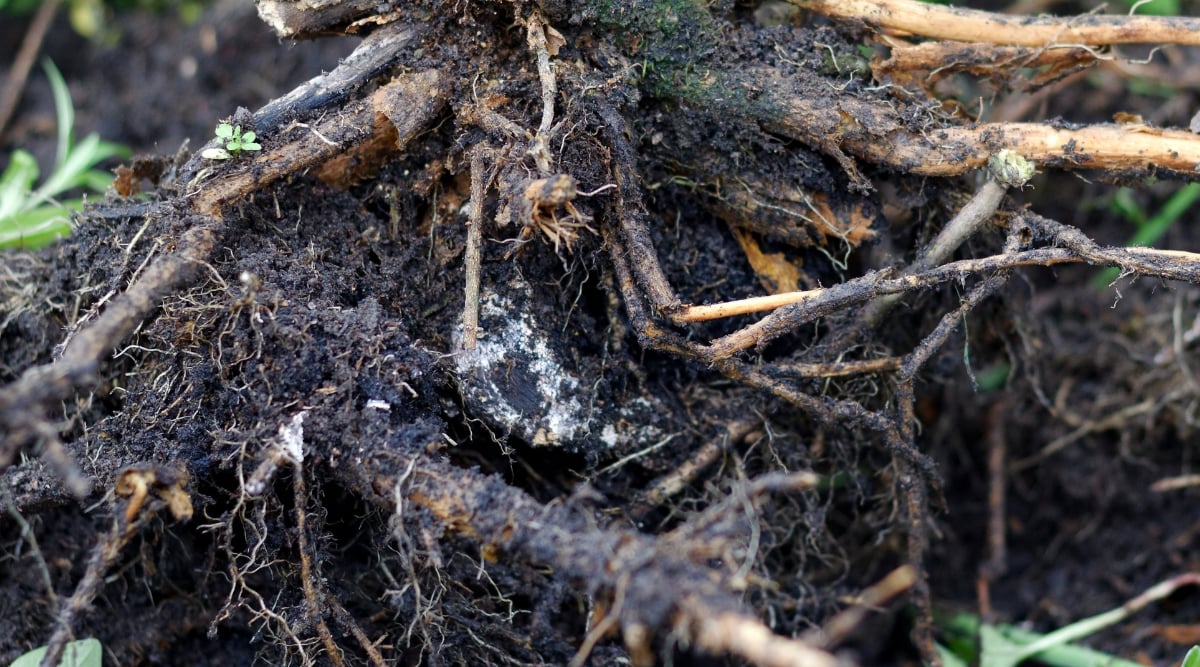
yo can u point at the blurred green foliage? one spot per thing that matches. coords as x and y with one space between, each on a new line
93 18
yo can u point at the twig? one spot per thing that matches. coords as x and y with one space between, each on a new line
1175 483
1006 169
725 633
807 305
605 625
19 73
970 25
839 627
989 60
840 368
308 574
685 473
974 215
630 212
997 557
60 460
347 621
372 58
472 260
540 46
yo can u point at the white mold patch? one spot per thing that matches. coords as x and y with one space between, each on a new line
517 379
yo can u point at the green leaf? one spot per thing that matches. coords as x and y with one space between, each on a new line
1192 659
64 110
83 653
950 658
995 650
248 138
251 147
30 217
224 131
1158 7
35 229
16 182
70 174
1007 646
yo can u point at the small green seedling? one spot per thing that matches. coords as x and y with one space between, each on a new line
235 141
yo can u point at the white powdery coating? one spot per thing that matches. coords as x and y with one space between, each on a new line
518 338
291 437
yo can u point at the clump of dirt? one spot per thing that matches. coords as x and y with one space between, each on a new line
422 383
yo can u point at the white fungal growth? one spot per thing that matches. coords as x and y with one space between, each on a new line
516 373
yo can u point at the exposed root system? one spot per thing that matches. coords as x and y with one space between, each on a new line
458 370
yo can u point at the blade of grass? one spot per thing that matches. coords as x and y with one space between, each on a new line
1149 233
64 111
1005 645
37 228
16 182
70 174
33 217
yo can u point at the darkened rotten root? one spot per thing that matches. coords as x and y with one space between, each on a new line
397 111
652 585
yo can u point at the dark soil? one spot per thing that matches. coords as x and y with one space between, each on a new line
342 303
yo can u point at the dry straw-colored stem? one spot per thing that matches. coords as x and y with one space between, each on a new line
733 634
969 25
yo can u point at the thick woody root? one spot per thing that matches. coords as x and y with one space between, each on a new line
651 584
874 131
869 131
969 25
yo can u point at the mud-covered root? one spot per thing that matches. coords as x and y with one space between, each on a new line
24 403
392 116
649 588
